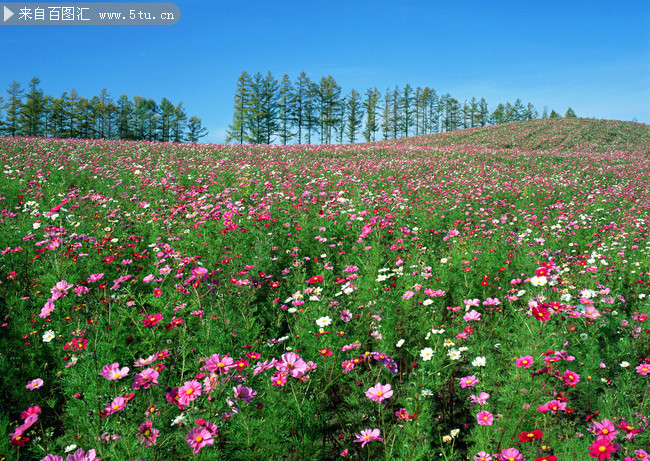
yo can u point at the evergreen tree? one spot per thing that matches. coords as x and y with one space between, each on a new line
139 118
85 119
124 118
483 113
298 104
73 114
554 114
473 112
329 95
13 109
270 96
386 114
151 119
31 114
570 113
341 119
371 105
237 131
545 112
311 110
179 122
285 110
396 113
519 110
498 115
407 110
165 121
530 112
2 123
432 112
195 129
355 115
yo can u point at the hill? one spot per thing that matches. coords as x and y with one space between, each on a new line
563 134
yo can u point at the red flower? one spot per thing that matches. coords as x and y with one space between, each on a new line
151 320
325 351
547 458
541 313
602 449
532 435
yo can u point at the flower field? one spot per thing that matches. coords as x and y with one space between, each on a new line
479 294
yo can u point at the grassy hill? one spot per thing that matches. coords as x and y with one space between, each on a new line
563 134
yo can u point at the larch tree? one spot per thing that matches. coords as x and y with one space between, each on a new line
237 131
13 109
370 106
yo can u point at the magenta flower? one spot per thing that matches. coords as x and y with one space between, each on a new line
485 418
113 372
643 369
218 364
605 429
34 384
482 456
81 455
145 379
602 449
198 438
151 320
379 392
147 434
525 361
472 316
52 458
511 454
292 364
189 392
570 378
468 381
118 403
244 393
95 277
481 399
368 435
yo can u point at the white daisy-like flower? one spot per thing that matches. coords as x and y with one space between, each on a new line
70 448
454 432
479 362
426 354
400 343
48 336
538 281
292 310
625 364
323 321
444 260
449 343
454 354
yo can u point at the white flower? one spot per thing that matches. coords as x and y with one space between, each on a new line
427 302
583 336
625 364
449 343
566 297
48 336
641 295
292 310
400 343
538 281
446 438
70 448
179 419
323 321
479 362
426 354
444 260
454 432
454 354
426 393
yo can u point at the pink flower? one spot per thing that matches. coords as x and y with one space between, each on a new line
408 295
151 320
554 406
485 418
118 403
95 277
481 399
81 455
472 316
525 361
468 381
293 364
218 364
368 435
198 438
52 458
34 384
189 392
147 433
157 292
482 456
247 394
47 309
279 379
379 392
643 369
570 378
602 449
511 454
113 372
605 429
145 379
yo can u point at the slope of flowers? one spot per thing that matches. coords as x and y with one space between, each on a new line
386 301
561 134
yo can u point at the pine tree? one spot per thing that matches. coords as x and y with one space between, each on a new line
432 112
237 131
329 94
31 113
179 121
13 107
386 114
396 113
406 103
195 129
519 110
554 114
341 119
285 110
355 115
498 115
530 112
473 112
371 105
124 118
2 123
483 113
311 116
570 113
165 121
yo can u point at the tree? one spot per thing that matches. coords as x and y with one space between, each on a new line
498 115
341 120
386 114
432 112
195 129
124 118
370 106
310 109
285 109
178 123
530 112
554 114
31 113
2 123
545 112
355 115
570 113
396 113
165 121
329 94
483 112
237 131
407 110
13 106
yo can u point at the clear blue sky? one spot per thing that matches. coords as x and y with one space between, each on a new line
593 56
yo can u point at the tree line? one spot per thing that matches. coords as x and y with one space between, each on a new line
100 117
310 111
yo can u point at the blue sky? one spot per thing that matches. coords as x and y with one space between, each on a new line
592 56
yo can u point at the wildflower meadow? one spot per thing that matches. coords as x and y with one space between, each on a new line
475 295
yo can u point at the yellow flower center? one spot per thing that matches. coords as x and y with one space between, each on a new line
602 449
198 439
379 394
221 364
190 391
605 431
